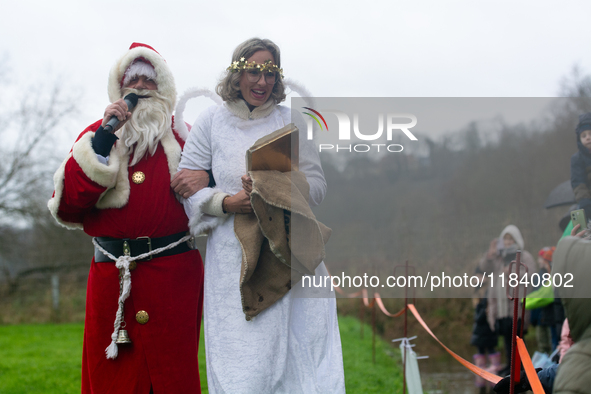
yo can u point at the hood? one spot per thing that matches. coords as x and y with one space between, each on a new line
164 78
573 257
584 124
515 233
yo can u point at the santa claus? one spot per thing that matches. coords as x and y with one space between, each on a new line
116 187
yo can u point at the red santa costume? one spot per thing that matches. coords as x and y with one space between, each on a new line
163 311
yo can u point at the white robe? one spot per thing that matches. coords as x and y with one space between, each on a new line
294 346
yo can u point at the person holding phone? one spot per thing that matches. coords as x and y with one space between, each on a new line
497 260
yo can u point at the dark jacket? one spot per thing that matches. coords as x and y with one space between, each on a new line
482 335
580 166
580 177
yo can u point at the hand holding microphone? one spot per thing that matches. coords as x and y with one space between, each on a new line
117 113
115 117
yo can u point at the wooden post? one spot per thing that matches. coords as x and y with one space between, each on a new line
55 296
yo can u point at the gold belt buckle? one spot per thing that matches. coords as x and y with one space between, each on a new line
149 246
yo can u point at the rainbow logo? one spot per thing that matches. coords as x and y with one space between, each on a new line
315 118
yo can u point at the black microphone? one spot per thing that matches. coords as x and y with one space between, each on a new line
131 101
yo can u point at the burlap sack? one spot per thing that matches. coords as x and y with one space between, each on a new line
281 213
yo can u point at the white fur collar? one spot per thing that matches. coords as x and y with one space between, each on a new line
118 196
240 109
113 176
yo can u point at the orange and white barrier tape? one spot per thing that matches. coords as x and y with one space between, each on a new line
478 371
378 300
525 358
341 292
530 371
383 308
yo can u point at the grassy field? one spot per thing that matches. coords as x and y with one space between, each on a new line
361 375
40 358
46 358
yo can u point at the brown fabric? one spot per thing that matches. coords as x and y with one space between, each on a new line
281 215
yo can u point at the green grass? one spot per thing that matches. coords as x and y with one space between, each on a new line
40 358
361 374
47 358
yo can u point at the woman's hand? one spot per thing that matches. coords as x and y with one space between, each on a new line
246 184
188 182
492 249
238 203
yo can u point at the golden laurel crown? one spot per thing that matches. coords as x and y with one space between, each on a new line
268 66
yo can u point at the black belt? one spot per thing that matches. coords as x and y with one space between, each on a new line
135 247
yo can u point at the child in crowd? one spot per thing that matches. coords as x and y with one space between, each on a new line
483 337
550 314
580 165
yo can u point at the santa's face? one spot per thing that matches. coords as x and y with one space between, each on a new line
150 121
256 93
140 82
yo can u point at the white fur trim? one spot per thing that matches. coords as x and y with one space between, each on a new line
240 109
214 206
118 195
114 176
139 68
199 221
164 79
190 93
172 149
85 156
301 90
54 203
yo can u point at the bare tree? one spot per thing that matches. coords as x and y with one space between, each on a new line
31 119
575 84
27 148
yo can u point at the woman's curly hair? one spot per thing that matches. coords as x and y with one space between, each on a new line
229 87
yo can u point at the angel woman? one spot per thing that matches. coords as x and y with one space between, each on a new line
293 345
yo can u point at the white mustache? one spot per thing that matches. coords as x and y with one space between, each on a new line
151 119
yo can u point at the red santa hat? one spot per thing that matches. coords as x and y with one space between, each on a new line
138 60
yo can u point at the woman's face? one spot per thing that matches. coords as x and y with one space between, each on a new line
508 240
256 93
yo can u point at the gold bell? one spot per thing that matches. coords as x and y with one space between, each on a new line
123 337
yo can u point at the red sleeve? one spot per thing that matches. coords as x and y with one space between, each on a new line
79 194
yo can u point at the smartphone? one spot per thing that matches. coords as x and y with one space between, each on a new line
578 217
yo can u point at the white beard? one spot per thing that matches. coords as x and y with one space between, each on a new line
151 119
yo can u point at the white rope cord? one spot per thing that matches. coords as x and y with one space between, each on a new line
123 262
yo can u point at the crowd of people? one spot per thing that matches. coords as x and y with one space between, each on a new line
560 315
